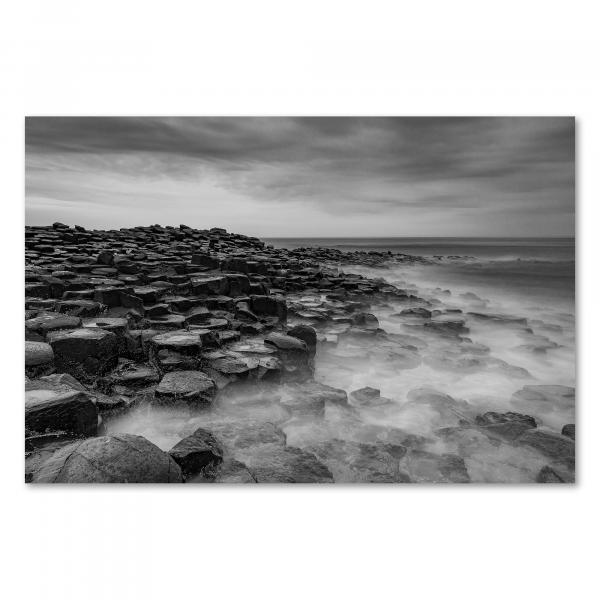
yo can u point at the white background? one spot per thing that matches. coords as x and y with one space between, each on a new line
230 58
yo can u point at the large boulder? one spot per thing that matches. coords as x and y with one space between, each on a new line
84 352
196 452
191 387
121 458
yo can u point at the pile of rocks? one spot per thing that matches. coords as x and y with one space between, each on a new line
165 315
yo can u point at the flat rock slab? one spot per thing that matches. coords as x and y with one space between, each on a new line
121 458
187 386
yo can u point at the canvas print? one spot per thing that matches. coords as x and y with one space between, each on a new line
300 300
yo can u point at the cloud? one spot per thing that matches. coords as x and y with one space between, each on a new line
411 176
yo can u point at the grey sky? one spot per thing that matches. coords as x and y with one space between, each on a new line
276 177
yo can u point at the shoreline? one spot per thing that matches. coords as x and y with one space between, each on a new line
155 317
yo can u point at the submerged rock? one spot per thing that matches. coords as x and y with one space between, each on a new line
367 396
288 465
508 425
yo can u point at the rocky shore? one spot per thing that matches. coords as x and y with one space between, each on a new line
185 323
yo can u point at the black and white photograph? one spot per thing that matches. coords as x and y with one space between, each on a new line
300 300
329 271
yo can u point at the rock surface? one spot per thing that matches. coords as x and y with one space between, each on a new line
120 458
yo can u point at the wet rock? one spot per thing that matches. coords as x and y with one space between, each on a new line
307 334
229 368
508 425
554 446
269 305
448 408
548 475
365 320
367 396
569 431
288 465
37 354
49 322
85 352
545 398
356 462
294 355
427 467
419 312
121 458
196 452
133 375
191 387
64 409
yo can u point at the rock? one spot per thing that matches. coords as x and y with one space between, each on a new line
121 458
84 352
508 425
288 465
552 445
311 397
52 322
38 353
365 320
191 387
427 467
548 475
269 305
233 471
64 409
286 343
355 462
294 356
569 431
307 334
196 452
419 312
367 396
545 398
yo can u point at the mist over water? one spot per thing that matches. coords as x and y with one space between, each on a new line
517 300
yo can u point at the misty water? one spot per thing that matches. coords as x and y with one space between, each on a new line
516 299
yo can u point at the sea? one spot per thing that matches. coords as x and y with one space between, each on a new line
525 269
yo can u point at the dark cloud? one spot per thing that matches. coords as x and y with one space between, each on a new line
421 170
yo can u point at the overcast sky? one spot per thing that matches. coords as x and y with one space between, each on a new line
286 177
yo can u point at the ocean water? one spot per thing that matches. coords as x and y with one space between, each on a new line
528 269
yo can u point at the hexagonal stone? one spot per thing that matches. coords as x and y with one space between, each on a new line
192 387
86 351
60 409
